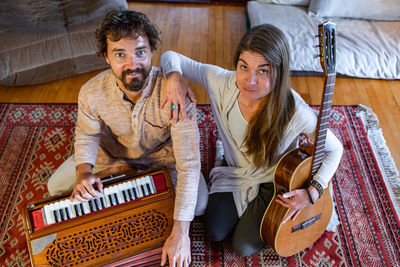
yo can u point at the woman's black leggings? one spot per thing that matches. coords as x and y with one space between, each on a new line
221 219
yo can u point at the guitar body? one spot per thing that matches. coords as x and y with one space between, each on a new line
293 172
297 167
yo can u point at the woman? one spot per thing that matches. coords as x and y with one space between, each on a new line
259 118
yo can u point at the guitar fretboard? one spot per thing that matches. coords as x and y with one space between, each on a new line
323 122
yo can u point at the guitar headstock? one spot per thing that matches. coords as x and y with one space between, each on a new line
327 46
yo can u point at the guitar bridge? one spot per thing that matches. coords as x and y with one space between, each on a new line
306 223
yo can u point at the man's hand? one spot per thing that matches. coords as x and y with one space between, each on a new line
296 200
85 179
177 246
176 91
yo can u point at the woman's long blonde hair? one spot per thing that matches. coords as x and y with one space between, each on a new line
266 127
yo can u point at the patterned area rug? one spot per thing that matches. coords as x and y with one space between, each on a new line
36 139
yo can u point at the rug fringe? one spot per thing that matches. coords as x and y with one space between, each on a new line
384 158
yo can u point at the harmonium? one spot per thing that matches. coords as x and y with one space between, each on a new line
126 226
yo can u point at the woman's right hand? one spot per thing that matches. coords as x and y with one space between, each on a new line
176 92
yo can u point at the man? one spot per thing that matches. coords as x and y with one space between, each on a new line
120 123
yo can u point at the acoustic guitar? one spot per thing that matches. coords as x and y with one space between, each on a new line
297 167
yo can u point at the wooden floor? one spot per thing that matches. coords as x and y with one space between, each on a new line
209 33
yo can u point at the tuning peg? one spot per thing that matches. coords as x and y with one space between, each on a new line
320 45
317 56
319 35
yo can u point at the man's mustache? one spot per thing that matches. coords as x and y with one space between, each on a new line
135 71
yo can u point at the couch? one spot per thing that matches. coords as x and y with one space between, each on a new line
45 40
368 33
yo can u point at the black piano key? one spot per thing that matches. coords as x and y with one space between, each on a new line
91 206
77 212
67 215
136 192
62 217
97 204
103 202
82 208
143 190
116 198
56 217
110 197
131 194
148 188
125 195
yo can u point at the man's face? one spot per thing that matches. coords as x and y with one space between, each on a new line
130 61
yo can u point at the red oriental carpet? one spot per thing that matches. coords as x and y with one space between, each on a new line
36 139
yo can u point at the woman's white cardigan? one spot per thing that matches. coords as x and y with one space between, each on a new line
240 176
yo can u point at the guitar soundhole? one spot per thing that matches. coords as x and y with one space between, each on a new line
306 223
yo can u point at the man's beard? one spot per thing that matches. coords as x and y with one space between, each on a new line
136 84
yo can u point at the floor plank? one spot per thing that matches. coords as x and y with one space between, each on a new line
209 33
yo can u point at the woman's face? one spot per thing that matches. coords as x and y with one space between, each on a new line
253 75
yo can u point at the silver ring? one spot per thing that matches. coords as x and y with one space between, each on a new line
173 107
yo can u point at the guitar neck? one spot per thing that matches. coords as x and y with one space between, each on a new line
323 122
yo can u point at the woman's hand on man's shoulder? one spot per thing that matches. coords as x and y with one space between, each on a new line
175 96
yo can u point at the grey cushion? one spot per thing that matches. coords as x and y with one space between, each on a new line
365 48
286 2
359 9
45 40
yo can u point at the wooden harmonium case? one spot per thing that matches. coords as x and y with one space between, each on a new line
132 217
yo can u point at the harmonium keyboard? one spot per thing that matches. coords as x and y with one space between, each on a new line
132 217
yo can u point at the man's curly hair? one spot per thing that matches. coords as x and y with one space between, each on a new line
120 24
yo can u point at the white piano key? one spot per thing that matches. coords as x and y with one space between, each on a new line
71 209
132 190
144 186
91 205
128 194
103 202
47 211
51 210
62 210
124 191
120 193
139 187
129 190
44 215
101 195
138 190
67 209
153 186
56 212
148 181
114 195
113 201
86 207
74 204
96 202
106 195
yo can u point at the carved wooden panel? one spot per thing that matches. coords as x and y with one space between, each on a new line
108 239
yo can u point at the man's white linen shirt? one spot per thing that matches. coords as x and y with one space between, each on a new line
112 131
